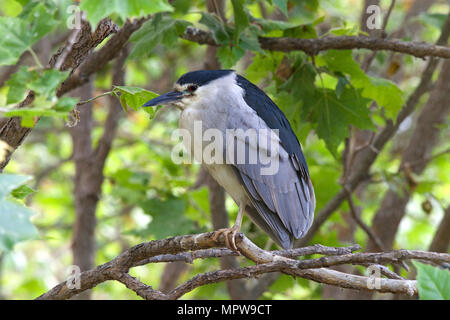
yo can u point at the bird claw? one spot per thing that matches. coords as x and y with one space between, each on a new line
226 232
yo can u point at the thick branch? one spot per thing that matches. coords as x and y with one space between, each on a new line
189 257
314 46
267 262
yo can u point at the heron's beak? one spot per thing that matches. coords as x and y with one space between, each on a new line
165 98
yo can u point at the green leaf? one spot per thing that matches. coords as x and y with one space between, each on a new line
43 108
268 25
22 192
134 97
29 113
20 33
282 5
168 218
16 38
157 30
27 121
17 84
347 31
65 104
433 283
228 56
99 9
219 31
47 83
10 182
135 180
199 201
335 114
305 31
42 19
437 20
249 41
263 65
43 84
15 222
383 91
15 225
305 75
342 61
241 21
329 112
340 86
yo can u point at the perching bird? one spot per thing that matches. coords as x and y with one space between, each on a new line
281 203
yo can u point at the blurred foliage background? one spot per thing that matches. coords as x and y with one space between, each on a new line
144 195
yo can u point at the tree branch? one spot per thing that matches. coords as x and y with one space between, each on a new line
189 257
267 262
314 46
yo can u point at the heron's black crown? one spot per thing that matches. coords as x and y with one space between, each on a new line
202 77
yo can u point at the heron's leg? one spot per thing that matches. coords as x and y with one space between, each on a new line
233 230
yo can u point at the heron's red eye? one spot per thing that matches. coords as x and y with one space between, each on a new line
192 88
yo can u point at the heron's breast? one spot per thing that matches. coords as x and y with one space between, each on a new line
225 176
197 120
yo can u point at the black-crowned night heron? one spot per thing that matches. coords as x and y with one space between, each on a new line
280 200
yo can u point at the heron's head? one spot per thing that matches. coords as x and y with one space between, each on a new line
193 86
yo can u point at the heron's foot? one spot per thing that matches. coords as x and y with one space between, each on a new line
230 236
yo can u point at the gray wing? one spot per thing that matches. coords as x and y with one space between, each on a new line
284 200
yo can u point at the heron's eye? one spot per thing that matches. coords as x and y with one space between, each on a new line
192 88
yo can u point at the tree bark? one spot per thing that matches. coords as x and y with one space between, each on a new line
424 138
89 165
85 187
441 240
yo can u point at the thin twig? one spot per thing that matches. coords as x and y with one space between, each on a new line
358 220
368 62
94 98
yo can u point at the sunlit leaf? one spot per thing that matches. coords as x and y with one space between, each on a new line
22 192
220 32
99 9
157 30
240 18
15 39
334 115
168 218
433 283
281 4
17 84
383 91
47 83
19 34
134 97
15 222
228 56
